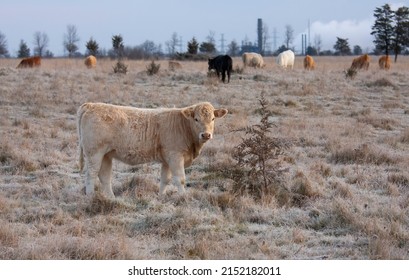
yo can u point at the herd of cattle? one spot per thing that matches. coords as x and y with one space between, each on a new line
173 137
35 61
223 63
286 59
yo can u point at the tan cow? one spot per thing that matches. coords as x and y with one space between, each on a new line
173 137
252 59
309 63
173 65
384 62
361 62
30 62
90 61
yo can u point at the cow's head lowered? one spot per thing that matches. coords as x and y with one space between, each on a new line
201 117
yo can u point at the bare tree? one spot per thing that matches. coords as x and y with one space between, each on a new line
3 45
211 37
233 48
317 43
71 39
288 36
172 43
40 43
265 37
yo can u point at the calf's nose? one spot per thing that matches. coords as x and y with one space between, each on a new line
206 135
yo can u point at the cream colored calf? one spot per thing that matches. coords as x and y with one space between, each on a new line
173 137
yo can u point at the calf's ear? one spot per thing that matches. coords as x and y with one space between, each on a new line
188 113
219 113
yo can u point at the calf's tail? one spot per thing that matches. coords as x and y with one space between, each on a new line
80 113
81 159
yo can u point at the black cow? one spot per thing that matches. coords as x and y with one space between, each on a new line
221 63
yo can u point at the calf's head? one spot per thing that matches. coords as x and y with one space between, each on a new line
201 118
211 64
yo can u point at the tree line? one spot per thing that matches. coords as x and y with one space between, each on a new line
390 31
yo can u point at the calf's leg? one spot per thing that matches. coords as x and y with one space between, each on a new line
93 167
177 168
105 174
165 178
90 182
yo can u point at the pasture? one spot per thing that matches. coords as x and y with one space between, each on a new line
348 164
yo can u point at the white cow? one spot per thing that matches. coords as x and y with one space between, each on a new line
286 59
173 137
253 60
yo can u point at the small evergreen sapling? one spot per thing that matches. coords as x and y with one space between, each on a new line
258 170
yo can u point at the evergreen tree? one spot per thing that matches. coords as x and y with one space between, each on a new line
281 49
342 46
312 51
207 47
92 47
401 37
118 46
119 49
258 171
192 46
383 29
357 50
23 50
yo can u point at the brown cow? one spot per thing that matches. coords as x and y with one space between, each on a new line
384 62
90 61
173 137
361 62
30 62
309 63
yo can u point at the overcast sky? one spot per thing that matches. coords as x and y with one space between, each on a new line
156 20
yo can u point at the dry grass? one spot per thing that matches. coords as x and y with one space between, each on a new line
345 193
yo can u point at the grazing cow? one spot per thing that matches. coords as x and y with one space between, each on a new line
361 62
223 64
384 62
253 60
286 59
173 137
309 63
30 62
90 61
173 65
